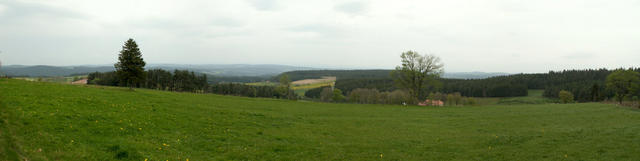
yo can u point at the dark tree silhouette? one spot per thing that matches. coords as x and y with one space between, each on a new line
130 68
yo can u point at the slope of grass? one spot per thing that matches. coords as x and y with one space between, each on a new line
533 97
299 89
46 121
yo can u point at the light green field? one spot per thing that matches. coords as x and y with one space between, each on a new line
298 89
262 84
52 79
533 97
48 121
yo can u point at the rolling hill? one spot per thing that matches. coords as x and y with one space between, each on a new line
234 70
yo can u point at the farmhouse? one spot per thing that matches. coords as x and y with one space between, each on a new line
429 102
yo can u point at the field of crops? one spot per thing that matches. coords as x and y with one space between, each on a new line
50 121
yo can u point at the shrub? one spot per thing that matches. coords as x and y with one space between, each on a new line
337 95
361 95
397 97
565 96
469 101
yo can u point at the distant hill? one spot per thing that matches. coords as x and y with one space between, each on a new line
50 71
471 75
226 70
234 70
378 73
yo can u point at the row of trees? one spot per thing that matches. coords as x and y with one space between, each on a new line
466 87
360 95
178 80
596 85
238 89
380 84
373 96
491 87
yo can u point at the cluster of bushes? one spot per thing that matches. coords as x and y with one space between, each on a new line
360 95
373 96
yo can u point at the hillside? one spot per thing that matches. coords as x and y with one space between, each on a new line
231 70
48 121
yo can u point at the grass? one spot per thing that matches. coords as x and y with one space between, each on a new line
298 89
301 89
48 121
262 83
533 97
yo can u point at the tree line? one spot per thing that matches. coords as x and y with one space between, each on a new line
188 81
178 80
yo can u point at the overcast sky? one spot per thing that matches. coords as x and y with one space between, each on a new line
469 35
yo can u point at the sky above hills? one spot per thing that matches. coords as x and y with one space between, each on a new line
494 36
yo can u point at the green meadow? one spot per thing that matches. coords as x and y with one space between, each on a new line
51 121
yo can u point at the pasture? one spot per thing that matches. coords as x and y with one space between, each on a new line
50 121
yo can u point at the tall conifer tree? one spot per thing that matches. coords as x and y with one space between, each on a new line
130 66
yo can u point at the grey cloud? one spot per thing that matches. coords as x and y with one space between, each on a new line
580 55
317 28
16 10
264 5
513 6
352 7
486 34
227 22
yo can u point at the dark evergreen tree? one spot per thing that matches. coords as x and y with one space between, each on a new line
130 66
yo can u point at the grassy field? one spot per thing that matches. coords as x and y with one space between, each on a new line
301 88
533 97
48 121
